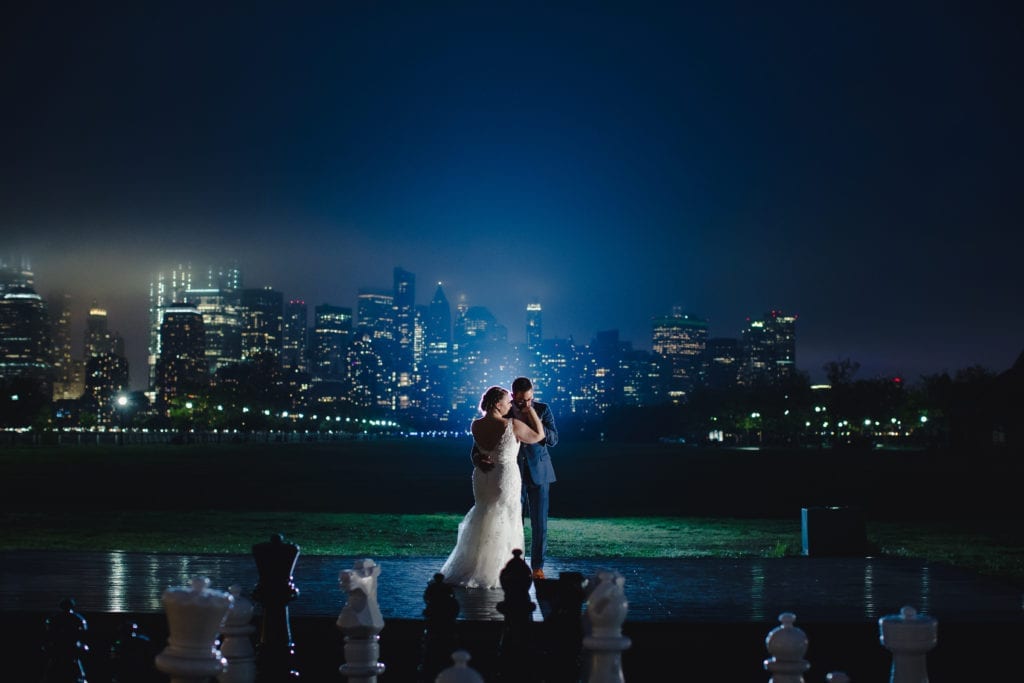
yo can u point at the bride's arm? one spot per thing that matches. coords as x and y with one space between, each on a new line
529 429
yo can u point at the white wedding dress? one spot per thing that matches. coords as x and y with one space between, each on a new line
493 527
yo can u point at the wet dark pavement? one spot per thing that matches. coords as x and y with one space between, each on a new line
705 590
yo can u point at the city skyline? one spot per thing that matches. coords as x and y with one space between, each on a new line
858 169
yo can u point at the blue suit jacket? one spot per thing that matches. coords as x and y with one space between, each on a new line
535 455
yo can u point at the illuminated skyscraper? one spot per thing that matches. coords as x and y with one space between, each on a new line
533 326
262 322
679 340
769 350
332 333
436 381
296 336
222 321
68 372
181 367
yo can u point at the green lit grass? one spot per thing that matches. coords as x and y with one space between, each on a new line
386 535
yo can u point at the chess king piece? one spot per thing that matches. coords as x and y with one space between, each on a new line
195 615
606 612
275 652
65 645
236 640
360 620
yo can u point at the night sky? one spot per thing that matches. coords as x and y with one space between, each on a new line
858 165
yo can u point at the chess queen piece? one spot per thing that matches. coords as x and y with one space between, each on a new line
788 645
606 612
909 636
195 615
65 645
361 622
275 652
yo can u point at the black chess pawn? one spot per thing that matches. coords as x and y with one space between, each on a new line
275 652
64 645
439 634
517 656
132 656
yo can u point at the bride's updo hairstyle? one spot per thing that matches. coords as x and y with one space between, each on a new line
491 398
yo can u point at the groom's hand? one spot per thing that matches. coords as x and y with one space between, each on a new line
480 460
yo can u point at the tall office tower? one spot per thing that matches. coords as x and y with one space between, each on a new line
262 322
557 375
224 277
98 338
405 335
106 376
436 382
296 336
721 366
166 289
222 320
481 356
375 313
26 371
181 367
332 333
25 341
679 341
16 276
67 375
533 326
604 374
639 376
781 330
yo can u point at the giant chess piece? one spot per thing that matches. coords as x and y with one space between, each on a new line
606 612
194 618
64 646
360 620
909 636
275 653
236 640
563 622
787 644
517 659
460 671
131 656
439 635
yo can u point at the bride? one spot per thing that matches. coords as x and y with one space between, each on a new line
493 527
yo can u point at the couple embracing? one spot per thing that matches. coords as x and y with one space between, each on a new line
512 468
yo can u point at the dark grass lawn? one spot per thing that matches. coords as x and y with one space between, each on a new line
405 497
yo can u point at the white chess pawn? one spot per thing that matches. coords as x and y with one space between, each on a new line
460 671
909 636
787 645
236 640
195 615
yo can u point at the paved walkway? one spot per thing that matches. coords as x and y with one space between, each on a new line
705 590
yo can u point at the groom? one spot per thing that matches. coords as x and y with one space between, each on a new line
536 468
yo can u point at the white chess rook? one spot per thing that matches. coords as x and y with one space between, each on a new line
195 615
909 636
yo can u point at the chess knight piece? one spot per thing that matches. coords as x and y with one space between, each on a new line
360 620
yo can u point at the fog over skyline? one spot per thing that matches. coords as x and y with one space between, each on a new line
856 166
